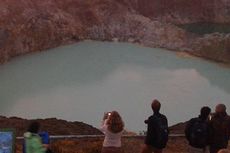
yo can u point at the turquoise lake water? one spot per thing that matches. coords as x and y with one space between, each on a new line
82 81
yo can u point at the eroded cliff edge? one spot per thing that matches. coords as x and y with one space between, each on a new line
35 25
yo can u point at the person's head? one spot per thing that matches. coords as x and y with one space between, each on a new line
205 112
221 109
34 127
224 151
115 123
156 106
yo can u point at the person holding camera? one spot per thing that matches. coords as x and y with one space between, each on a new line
112 127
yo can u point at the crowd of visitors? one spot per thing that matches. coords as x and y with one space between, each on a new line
207 133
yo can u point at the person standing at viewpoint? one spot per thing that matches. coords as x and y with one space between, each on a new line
219 127
157 131
112 127
197 132
33 142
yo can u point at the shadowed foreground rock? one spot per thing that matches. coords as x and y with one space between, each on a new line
130 145
53 126
93 145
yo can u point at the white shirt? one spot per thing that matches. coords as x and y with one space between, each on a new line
111 139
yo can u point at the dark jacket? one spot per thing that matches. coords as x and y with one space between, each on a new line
219 129
189 129
151 137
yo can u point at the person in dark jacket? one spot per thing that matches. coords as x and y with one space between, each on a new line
219 129
157 132
197 132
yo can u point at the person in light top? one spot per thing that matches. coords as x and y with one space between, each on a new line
112 127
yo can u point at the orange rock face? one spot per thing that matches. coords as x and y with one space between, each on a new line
34 25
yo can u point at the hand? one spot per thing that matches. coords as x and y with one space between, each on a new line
105 116
45 146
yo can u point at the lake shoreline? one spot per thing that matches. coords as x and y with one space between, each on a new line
53 24
111 68
179 53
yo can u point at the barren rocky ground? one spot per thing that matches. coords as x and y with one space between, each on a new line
130 145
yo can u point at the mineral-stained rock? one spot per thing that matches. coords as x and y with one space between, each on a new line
34 25
213 46
186 11
3 37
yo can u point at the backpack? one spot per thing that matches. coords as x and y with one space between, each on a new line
162 132
45 137
199 134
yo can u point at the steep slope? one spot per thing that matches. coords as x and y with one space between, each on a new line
29 25
35 25
186 11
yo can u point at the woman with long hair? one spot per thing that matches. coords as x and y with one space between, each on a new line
112 127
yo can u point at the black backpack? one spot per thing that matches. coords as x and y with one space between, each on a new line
199 134
162 132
